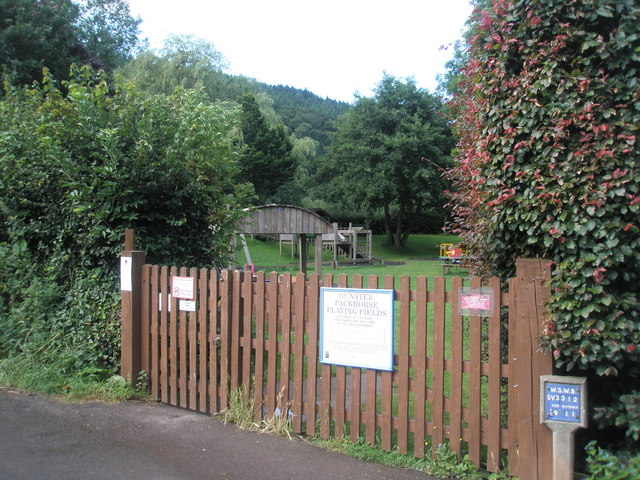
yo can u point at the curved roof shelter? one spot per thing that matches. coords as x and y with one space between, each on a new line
278 219
287 219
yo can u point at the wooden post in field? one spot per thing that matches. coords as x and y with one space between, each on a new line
318 254
303 253
131 262
530 456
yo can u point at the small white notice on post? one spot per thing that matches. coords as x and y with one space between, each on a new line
187 306
356 328
126 283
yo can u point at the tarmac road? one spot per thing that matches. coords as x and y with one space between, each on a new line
44 438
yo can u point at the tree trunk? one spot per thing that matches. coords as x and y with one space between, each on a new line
387 224
399 220
411 222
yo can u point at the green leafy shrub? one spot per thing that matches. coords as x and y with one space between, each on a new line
624 411
78 165
605 465
547 121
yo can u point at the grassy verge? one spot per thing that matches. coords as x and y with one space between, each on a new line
444 464
56 373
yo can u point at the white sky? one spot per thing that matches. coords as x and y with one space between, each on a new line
333 48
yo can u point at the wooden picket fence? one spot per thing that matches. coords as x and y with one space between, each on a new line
467 382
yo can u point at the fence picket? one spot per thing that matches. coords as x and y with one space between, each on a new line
225 341
154 364
259 346
272 344
370 414
403 365
298 351
164 335
192 340
146 310
338 411
214 351
475 380
386 422
173 343
203 339
514 460
285 348
182 347
355 415
325 386
457 358
246 334
495 368
235 327
437 384
420 365
312 355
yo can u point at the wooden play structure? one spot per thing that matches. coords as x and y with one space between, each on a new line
296 227
349 245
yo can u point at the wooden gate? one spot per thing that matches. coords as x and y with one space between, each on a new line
464 381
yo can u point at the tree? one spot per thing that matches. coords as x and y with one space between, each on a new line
385 156
108 31
185 61
34 35
267 162
548 167
296 192
189 50
57 33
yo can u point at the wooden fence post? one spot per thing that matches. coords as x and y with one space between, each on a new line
532 441
131 290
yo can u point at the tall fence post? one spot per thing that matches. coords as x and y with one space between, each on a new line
527 362
131 262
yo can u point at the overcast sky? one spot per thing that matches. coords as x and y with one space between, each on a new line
333 48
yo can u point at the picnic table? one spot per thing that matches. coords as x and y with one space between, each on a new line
452 256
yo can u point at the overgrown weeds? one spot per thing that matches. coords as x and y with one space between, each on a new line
47 370
241 412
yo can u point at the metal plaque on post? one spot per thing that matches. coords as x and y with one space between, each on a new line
563 408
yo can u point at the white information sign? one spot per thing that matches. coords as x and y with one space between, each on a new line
126 283
187 305
356 328
182 287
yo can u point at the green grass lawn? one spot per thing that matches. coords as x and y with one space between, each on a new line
419 257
